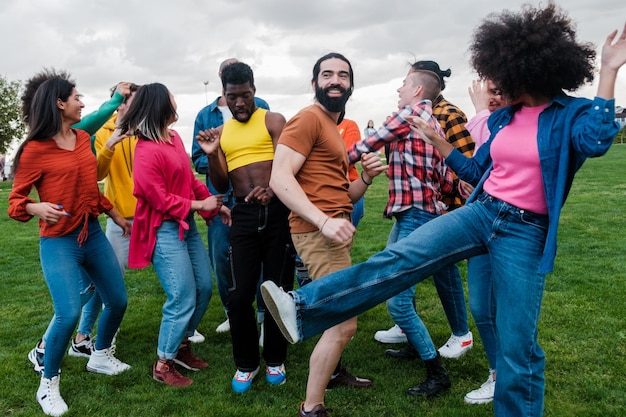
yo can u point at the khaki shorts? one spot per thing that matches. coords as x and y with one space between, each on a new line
321 255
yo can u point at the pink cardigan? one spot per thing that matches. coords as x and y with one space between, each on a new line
164 186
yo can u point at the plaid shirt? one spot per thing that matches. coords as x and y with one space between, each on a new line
417 173
453 121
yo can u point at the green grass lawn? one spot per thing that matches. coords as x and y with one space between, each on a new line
582 330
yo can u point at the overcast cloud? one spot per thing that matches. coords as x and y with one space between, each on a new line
181 44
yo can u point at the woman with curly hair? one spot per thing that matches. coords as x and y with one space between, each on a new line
522 176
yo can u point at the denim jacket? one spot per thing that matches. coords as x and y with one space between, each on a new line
207 118
570 130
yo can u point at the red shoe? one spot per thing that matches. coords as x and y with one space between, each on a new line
169 375
187 359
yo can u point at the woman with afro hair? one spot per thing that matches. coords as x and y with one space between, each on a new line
522 176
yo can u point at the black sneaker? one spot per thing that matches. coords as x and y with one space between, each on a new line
82 349
408 352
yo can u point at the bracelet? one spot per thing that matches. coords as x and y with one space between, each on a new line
324 224
363 179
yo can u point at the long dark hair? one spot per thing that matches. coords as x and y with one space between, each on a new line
150 113
44 117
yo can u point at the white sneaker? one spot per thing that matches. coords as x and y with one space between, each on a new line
393 335
457 346
197 337
484 394
283 308
224 327
49 397
103 362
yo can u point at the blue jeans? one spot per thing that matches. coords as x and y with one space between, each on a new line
182 267
92 308
402 306
218 237
358 211
65 263
482 303
514 239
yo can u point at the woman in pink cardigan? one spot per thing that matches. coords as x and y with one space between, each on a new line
165 231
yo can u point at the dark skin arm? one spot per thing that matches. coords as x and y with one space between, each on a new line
209 141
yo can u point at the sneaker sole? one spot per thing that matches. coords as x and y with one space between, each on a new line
170 385
475 401
105 371
455 356
184 365
271 305
391 340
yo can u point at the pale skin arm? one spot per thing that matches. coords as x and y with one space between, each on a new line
287 163
428 134
372 167
612 58
48 212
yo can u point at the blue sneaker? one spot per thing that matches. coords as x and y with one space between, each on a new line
276 375
242 381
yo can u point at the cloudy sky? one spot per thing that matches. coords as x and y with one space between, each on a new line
181 43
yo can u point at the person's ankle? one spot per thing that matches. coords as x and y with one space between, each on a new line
80 337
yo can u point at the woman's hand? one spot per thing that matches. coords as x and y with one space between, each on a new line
214 202
48 212
124 224
224 214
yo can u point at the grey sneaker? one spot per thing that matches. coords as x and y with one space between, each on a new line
283 308
103 362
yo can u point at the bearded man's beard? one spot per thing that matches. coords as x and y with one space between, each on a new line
332 104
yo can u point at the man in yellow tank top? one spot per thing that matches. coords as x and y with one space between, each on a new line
242 150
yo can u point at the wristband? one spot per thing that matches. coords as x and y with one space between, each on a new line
363 179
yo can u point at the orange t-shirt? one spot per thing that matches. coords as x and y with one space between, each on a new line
349 131
323 176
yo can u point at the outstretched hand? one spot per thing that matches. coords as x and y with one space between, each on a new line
479 94
614 53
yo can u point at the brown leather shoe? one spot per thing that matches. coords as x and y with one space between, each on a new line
317 411
408 353
346 379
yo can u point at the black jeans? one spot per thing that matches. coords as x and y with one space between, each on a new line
259 238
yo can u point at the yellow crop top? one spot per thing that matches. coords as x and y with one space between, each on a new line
246 143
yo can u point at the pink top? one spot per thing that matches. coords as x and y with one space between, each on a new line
164 186
516 175
477 126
